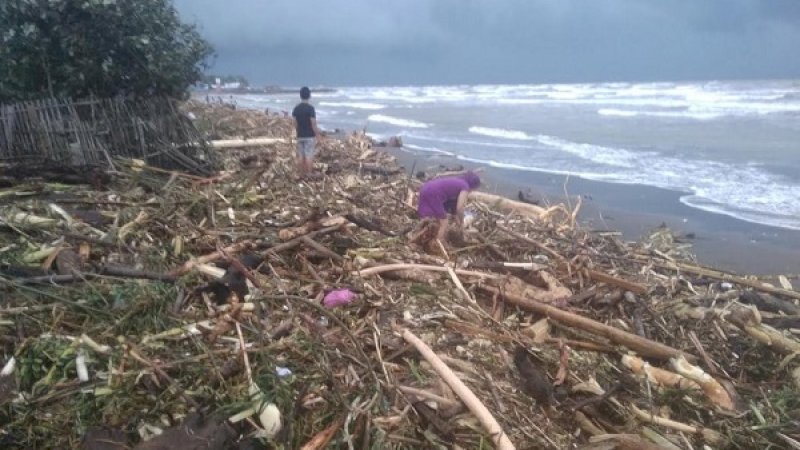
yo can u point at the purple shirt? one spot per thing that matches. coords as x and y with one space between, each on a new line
435 193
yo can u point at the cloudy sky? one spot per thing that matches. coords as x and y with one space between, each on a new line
380 42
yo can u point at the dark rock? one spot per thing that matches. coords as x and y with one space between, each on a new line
534 381
67 262
195 433
395 142
233 280
89 217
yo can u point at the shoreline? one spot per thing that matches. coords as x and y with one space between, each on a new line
717 240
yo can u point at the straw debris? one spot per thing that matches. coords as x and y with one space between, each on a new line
166 304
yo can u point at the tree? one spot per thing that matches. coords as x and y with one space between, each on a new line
77 48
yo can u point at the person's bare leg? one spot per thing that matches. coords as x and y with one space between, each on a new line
441 233
308 165
299 166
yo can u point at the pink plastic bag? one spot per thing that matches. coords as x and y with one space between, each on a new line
338 297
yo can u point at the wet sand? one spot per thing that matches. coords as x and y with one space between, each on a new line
719 241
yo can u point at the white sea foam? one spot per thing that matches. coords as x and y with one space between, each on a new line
463 142
617 112
737 190
356 105
423 148
391 120
744 202
500 133
669 100
745 214
695 115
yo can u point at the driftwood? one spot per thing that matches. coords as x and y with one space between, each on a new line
430 396
211 257
659 377
299 240
311 243
533 242
722 276
244 143
749 321
291 233
368 225
766 302
595 275
379 170
507 205
711 387
644 347
686 376
398 267
708 434
601 277
554 291
472 402
109 270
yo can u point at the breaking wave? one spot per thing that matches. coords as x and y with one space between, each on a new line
391 120
501 133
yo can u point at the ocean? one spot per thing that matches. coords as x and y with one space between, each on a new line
729 148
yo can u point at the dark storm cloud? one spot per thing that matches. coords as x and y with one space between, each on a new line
472 41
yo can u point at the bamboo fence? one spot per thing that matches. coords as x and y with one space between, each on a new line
93 132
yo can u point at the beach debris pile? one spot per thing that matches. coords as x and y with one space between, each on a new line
253 310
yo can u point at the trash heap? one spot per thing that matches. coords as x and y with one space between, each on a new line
253 310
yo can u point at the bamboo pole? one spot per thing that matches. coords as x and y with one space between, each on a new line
644 347
722 276
499 437
396 267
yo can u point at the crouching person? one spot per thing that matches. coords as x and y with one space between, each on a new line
442 196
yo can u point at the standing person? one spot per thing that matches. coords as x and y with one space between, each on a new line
305 121
441 196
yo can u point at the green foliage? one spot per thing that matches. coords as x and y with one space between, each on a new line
76 48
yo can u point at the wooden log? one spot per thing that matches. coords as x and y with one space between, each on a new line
598 276
644 347
291 233
244 143
507 205
767 302
499 437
